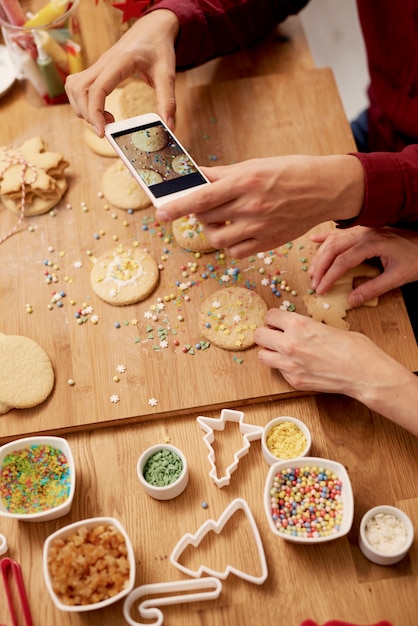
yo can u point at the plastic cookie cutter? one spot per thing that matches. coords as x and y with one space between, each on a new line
3 545
249 432
217 527
183 591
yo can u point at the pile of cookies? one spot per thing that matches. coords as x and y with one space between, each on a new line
32 178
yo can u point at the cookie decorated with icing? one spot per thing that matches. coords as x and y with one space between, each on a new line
124 275
26 373
182 165
150 177
120 188
331 308
229 317
189 234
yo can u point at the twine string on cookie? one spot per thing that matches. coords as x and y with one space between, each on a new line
10 160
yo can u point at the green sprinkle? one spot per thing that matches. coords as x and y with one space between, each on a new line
163 468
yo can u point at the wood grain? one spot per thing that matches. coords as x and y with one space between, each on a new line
294 112
332 581
329 581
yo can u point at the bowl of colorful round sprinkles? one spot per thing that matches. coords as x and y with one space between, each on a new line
163 471
37 479
309 500
285 438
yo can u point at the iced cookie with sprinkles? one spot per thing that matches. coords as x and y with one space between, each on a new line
229 317
121 189
189 234
182 165
26 373
124 275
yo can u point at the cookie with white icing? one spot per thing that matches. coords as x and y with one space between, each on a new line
124 275
229 317
190 235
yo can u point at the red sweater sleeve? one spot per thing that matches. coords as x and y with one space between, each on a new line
391 193
211 28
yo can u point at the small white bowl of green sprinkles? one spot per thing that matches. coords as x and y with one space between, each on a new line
285 438
163 471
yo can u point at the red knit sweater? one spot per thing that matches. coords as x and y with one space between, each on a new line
210 28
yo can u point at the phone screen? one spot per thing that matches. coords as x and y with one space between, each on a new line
158 159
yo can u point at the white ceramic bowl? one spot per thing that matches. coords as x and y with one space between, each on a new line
68 531
168 491
52 512
384 553
269 455
345 499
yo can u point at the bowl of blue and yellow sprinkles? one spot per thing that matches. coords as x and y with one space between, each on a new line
37 478
309 500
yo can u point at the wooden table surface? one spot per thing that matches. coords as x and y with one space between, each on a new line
330 581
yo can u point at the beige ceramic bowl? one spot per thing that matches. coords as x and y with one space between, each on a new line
65 533
378 537
276 513
286 442
52 512
169 491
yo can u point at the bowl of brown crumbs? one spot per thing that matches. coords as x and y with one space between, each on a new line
89 564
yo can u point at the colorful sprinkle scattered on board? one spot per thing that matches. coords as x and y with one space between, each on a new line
34 479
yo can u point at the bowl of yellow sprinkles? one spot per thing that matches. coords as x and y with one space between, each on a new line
285 438
37 478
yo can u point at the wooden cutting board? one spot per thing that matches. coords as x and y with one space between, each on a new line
220 123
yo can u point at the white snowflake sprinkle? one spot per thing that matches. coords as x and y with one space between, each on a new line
261 255
265 282
153 401
94 319
148 315
114 398
216 304
268 260
87 310
77 264
285 306
237 318
121 369
163 344
224 278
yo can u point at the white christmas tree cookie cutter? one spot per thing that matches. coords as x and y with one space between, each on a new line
207 589
217 527
249 432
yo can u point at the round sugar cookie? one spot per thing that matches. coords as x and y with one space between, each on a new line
124 275
39 205
137 98
150 177
182 165
26 373
189 234
151 139
229 317
120 188
100 145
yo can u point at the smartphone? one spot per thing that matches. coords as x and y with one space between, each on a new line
155 157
